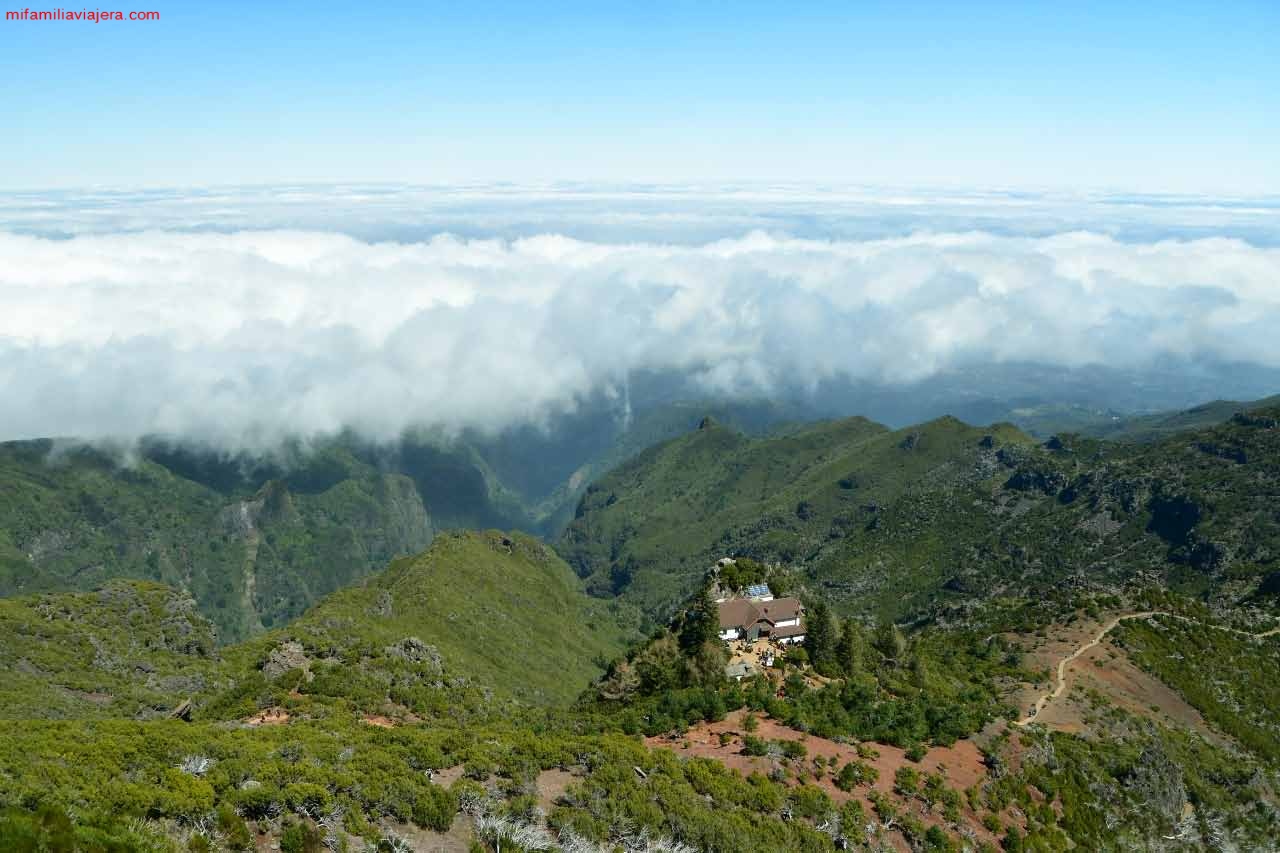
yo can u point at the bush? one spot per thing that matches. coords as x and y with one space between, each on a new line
435 808
906 781
307 797
258 803
301 838
793 749
233 828
856 773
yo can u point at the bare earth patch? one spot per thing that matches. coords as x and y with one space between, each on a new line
961 765
457 840
551 786
1102 667
1107 669
446 777
269 717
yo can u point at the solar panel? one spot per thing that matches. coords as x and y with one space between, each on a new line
757 589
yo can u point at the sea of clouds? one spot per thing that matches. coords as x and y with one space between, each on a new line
240 317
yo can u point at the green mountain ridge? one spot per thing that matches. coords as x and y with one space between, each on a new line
1046 420
903 522
500 608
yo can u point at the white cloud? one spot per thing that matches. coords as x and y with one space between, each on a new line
244 337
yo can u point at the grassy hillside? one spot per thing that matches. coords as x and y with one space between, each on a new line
500 610
258 539
898 522
486 613
653 527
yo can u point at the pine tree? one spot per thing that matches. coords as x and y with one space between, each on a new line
851 647
820 638
890 642
701 623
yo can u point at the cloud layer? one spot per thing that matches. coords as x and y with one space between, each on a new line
242 338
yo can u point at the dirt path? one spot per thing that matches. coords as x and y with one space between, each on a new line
1061 681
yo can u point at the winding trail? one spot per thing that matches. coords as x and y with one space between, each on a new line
1061 680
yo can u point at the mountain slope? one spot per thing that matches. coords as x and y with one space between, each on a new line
654 526
897 522
258 539
251 559
477 613
502 610
1157 426
131 649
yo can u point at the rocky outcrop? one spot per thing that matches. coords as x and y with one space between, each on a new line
286 657
414 650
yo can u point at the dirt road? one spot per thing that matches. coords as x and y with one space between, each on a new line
1061 681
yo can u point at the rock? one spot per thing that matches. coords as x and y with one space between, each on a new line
384 606
414 650
1028 480
1012 456
286 657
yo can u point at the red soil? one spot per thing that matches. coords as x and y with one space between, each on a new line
961 765
269 717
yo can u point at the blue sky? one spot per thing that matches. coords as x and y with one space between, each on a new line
1161 97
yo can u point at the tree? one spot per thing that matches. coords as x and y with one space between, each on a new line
890 642
701 623
850 648
820 638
